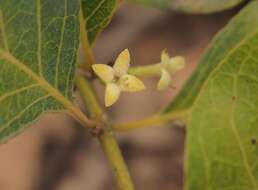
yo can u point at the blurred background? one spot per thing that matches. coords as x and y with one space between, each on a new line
57 154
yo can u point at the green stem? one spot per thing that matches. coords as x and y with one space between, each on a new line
105 137
157 119
87 52
89 98
116 161
145 71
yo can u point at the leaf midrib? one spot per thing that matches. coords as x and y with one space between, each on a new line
8 57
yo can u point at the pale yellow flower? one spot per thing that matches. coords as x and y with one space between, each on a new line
169 66
117 79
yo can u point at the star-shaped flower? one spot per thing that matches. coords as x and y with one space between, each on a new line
169 66
117 78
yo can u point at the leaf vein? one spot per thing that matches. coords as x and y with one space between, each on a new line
22 112
95 10
221 63
17 91
60 44
38 8
4 36
238 138
97 25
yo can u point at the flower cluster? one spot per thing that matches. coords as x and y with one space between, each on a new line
117 78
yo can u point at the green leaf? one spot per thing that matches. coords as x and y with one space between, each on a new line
193 6
38 47
97 14
222 101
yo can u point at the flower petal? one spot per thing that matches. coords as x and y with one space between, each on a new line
164 81
130 83
122 63
112 94
104 72
164 58
176 63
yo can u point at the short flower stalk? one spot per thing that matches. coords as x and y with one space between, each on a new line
165 68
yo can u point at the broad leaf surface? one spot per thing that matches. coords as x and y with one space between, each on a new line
97 14
38 47
222 100
193 6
